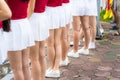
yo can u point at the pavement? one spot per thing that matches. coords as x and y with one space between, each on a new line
103 63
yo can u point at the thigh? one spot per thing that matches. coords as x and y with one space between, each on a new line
57 34
92 20
25 56
85 22
42 49
76 23
64 32
34 52
50 40
15 58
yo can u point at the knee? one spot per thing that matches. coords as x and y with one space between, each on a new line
17 68
92 25
57 42
50 42
76 29
42 55
25 65
34 58
86 27
42 45
64 37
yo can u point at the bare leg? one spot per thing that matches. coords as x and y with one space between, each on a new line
92 20
15 58
64 43
25 64
86 30
42 59
76 32
68 37
58 50
51 50
34 56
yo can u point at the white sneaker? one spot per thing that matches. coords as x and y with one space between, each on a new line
65 62
92 45
48 70
83 39
53 74
102 31
73 54
83 51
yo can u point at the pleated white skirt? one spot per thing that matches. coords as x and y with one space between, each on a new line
40 26
3 46
68 12
56 17
84 7
21 35
62 16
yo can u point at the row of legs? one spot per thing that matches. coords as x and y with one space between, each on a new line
58 47
84 26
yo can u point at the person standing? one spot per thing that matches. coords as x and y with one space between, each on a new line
5 14
20 38
84 11
54 40
40 26
65 32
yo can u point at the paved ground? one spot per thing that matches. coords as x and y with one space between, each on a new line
103 63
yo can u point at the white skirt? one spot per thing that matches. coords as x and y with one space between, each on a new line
3 46
40 26
54 17
21 35
84 7
62 17
68 12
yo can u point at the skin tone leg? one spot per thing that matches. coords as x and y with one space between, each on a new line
86 30
38 60
51 50
68 37
15 58
58 49
77 31
92 22
34 56
54 48
42 59
25 64
64 39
